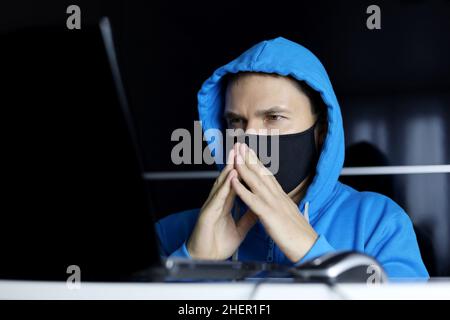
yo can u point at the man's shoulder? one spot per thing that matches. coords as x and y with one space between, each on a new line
373 203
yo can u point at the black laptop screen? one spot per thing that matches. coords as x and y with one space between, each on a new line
72 189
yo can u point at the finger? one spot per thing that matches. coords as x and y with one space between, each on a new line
250 159
220 179
228 167
229 201
248 197
247 175
253 163
221 196
245 223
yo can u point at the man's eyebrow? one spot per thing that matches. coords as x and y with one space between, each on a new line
231 114
271 110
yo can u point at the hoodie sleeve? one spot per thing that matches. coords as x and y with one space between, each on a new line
165 244
320 247
394 245
181 252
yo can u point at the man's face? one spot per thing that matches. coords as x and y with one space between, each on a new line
261 101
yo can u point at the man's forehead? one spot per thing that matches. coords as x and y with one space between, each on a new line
262 110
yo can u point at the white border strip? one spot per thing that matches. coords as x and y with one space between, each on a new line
349 171
388 170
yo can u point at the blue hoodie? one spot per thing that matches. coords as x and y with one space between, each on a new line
344 218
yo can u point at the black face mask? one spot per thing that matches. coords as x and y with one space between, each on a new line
297 155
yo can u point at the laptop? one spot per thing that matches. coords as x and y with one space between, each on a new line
72 172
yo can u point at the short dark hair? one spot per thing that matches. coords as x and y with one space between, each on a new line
317 104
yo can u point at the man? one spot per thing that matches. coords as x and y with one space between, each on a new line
302 211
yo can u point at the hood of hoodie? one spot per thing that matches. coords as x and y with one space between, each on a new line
285 57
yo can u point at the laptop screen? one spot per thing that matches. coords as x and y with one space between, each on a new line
73 192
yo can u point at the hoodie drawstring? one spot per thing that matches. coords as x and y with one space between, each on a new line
306 211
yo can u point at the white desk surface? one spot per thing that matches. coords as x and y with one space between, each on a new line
222 291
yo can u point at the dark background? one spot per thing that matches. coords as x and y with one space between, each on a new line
392 84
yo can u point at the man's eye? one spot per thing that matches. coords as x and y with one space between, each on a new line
273 117
235 121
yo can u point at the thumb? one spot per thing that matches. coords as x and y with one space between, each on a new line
245 223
